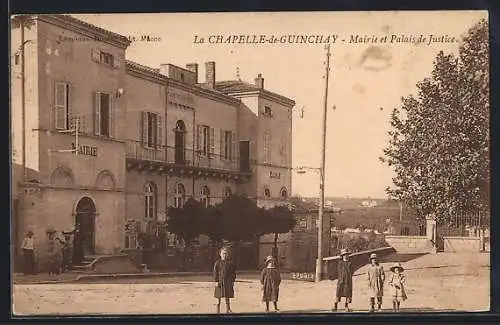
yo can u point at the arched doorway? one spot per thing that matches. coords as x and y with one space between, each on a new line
180 140
84 240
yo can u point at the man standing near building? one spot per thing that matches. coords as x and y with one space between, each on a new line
28 247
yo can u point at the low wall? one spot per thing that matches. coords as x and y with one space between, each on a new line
461 244
115 264
357 259
410 244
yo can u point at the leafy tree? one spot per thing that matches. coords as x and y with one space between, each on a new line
188 221
439 142
277 220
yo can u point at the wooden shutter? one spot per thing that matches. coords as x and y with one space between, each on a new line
212 142
233 146
116 63
97 113
111 119
222 144
145 129
96 55
60 106
199 136
159 133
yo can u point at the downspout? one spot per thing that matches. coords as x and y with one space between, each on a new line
195 141
166 148
23 103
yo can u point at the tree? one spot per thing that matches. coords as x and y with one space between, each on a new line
277 220
439 141
187 222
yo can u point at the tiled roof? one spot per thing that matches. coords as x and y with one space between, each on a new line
233 86
239 86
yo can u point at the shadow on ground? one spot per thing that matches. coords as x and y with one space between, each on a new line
384 311
401 257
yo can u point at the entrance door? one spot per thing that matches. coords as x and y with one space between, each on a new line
180 132
84 242
245 156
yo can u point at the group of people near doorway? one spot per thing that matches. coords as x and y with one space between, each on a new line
60 252
225 275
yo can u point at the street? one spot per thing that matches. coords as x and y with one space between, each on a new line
442 282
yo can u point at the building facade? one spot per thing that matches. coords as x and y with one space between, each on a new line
148 138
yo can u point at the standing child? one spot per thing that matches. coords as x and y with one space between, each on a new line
344 282
376 279
224 276
270 279
397 282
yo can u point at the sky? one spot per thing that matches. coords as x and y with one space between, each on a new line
366 80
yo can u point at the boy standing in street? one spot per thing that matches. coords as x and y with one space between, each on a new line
376 278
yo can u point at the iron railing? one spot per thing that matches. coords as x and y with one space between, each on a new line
183 157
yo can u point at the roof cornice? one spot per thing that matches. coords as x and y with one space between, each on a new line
266 95
150 74
86 29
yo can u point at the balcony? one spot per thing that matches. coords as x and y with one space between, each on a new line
183 162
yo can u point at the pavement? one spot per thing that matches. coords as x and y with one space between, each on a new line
440 282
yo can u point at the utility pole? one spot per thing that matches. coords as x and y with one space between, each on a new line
23 101
319 261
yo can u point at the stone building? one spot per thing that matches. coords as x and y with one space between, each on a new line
149 138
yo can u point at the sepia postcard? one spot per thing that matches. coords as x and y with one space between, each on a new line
250 163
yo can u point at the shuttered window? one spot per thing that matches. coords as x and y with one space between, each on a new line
206 141
103 115
61 105
152 130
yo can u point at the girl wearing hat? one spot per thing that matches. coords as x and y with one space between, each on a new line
224 276
344 282
397 282
376 279
270 279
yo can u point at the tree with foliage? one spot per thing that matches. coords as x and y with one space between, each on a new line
187 222
277 220
439 142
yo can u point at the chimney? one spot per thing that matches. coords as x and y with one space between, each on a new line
259 81
210 74
193 67
164 69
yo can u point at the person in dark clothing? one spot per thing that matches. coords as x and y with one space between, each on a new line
77 247
344 283
270 279
66 252
224 276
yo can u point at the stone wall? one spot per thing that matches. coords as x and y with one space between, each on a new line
410 244
461 244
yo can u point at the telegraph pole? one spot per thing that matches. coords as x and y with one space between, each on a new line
319 261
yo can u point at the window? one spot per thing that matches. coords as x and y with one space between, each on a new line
227 192
150 201
106 58
152 130
268 111
61 105
131 229
283 152
267 192
179 195
267 147
205 196
284 193
206 138
227 149
103 115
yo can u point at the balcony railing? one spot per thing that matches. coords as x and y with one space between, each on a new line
181 157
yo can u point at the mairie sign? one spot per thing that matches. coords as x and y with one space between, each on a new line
85 150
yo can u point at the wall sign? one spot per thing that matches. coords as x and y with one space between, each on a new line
274 175
85 150
303 276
